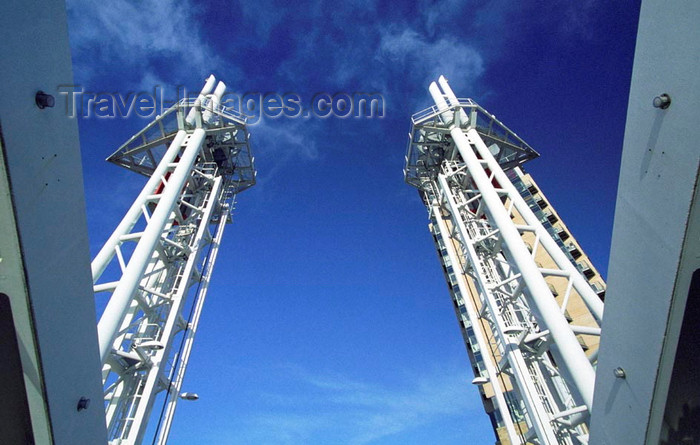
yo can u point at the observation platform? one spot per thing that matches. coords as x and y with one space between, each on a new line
430 142
227 141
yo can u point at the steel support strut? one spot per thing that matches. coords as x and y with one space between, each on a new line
149 323
178 373
537 412
108 250
541 379
491 367
595 305
108 325
572 356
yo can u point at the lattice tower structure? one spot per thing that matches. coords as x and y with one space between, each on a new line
157 265
531 365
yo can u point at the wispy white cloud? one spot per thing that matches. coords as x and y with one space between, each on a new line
434 14
355 412
397 58
425 59
131 35
285 141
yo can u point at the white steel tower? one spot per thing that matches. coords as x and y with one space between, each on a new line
539 377
157 264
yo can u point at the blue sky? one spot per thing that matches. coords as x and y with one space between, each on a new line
328 320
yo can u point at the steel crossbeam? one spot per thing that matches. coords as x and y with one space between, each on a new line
159 260
541 378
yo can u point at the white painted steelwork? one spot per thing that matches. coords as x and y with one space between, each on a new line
647 391
44 246
158 262
472 204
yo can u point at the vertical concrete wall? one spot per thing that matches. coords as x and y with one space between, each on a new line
651 257
44 186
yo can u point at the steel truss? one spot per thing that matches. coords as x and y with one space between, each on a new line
157 264
528 344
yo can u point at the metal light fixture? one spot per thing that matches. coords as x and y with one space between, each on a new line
151 344
189 396
513 330
481 380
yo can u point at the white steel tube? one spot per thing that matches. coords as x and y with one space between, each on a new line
215 101
585 330
208 86
572 356
143 410
452 98
478 334
594 304
191 332
533 403
107 251
447 116
118 304
590 298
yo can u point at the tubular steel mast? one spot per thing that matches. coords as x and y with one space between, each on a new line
541 378
157 264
